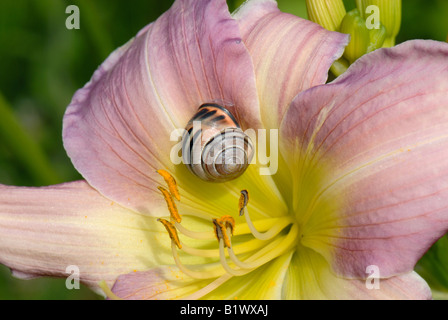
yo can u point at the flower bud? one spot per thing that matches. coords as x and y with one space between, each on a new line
389 14
354 25
327 13
377 38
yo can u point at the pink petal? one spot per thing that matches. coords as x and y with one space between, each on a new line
45 230
381 132
117 128
407 286
290 54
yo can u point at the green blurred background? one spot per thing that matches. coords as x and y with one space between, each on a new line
42 64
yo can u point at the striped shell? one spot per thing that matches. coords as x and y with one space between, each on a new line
214 147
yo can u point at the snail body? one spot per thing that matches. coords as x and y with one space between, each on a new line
214 147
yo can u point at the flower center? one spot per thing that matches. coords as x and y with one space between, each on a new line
240 249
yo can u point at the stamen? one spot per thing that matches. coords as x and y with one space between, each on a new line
223 226
221 232
271 233
171 205
191 273
172 232
218 229
207 253
222 257
270 252
216 283
205 235
171 182
228 222
208 288
288 242
244 200
256 252
238 262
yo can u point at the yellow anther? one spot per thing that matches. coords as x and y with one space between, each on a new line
171 182
244 200
218 229
171 205
221 232
228 222
172 232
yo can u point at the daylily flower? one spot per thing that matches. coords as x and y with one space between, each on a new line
361 181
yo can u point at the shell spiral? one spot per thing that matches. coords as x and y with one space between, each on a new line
214 147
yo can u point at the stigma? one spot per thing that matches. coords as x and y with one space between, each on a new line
242 245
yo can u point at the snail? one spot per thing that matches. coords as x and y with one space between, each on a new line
214 147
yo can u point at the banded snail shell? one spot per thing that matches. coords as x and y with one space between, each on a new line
214 147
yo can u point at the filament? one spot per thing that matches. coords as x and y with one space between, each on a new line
237 254
227 276
271 251
222 257
265 235
206 253
208 288
192 273
205 235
